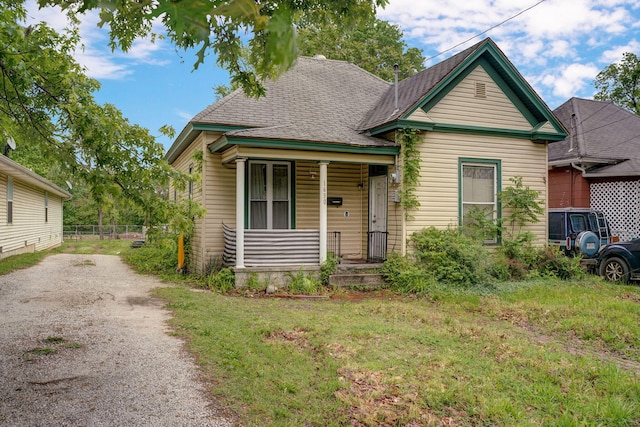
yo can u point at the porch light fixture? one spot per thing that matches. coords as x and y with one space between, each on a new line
312 174
360 185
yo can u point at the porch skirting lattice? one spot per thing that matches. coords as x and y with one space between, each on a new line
620 202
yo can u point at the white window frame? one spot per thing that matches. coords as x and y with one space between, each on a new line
494 205
9 200
269 191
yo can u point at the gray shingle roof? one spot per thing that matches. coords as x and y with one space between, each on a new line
601 130
316 100
627 168
411 90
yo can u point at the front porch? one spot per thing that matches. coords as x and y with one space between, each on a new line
293 209
272 255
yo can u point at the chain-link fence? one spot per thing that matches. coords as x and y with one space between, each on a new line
132 232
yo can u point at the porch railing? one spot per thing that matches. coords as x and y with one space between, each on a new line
334 244
273 247
377 246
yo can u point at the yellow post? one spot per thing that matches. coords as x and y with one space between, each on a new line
180 252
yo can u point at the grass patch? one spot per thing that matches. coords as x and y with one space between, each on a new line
497 357
17 262
52 344
95 246
102 247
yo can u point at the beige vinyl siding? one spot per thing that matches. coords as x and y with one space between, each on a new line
461 106
220 203
395 215
343 180
29 231
182 163
547 127
3 205
307 195
438 192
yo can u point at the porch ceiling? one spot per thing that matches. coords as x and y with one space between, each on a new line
230 155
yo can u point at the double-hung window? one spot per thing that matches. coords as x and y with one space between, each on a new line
269 195
480 184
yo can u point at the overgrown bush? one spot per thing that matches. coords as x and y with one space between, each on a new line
439 257
551 261
158 255
451 257
523 261
222 281
327 269
404 275
454 259
213 265
301 283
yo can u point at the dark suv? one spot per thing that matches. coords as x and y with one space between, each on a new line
580 231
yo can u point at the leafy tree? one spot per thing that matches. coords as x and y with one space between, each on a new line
620 83
47 106
221 26
372 44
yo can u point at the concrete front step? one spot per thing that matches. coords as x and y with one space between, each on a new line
370 280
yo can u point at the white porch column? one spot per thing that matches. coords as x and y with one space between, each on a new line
240 168
323 211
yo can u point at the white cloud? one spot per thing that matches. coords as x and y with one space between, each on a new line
94 53
102 68
443 24
186 116
569 80
615 54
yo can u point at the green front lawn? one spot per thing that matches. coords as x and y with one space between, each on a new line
529 353
537 352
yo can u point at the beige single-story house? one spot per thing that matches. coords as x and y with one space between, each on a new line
316 166
30 210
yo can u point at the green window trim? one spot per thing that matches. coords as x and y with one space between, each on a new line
497 164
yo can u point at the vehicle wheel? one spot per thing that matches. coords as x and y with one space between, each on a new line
615 270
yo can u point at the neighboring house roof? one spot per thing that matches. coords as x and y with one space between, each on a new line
600 134
13 169
337 103
627 168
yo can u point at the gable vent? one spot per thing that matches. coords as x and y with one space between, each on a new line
480 90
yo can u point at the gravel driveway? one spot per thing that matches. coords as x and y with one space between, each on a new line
82 343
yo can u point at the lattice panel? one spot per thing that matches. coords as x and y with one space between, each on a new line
620 202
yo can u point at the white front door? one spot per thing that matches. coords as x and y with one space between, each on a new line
378 203
377 241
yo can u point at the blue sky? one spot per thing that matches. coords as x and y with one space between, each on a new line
557 45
